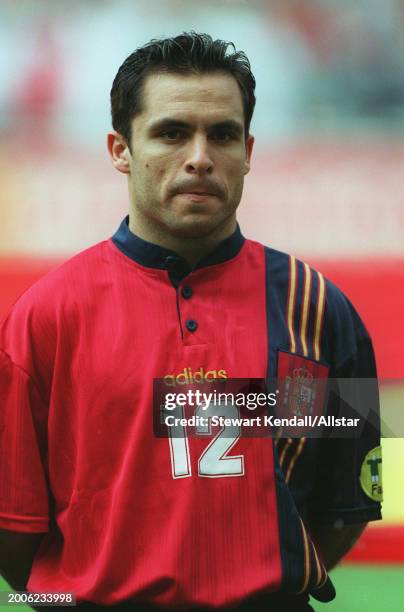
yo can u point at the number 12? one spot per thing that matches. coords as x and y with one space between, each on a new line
214 462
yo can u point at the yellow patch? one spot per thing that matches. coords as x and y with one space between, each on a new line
371 474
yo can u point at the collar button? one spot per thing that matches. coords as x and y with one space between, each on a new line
191 325
186 292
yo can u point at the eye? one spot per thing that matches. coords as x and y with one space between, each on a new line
222 135
172 135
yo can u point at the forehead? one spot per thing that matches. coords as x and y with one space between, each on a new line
213 95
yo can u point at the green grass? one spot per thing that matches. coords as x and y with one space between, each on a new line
367 589
5 587
359 588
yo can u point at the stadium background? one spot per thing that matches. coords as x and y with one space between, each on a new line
325 184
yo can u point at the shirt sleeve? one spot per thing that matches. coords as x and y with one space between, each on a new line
23 488
348 481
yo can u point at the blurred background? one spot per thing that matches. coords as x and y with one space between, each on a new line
326 182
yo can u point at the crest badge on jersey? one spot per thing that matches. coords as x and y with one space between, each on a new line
302 386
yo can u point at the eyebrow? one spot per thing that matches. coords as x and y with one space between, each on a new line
168 122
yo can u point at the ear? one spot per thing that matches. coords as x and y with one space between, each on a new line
248 147
119 152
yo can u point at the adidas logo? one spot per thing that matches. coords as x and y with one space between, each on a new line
188 376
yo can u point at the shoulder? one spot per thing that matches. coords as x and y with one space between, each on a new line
313 302
34 321
341 313
287 270
57 286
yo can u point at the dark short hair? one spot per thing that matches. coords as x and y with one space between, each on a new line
188 53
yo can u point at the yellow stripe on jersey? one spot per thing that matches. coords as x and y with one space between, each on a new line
319 568
294 458
305 309
284 451
306 560
292 302
319 316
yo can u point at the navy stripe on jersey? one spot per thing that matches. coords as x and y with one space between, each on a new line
294 323
296 549
310 317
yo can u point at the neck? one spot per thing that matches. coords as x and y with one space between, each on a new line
192 247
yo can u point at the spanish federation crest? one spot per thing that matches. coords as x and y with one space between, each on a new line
302 385
299 392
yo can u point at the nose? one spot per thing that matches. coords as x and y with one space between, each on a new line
199 160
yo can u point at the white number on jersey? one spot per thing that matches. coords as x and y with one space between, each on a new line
214 461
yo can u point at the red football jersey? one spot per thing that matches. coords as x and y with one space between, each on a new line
125 518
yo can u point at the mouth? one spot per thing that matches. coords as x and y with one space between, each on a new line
197 196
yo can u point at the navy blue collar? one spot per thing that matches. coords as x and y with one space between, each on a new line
154 256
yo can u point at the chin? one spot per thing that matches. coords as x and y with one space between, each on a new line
197 220
195 227
200 225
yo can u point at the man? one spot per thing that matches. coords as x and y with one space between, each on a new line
90 498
